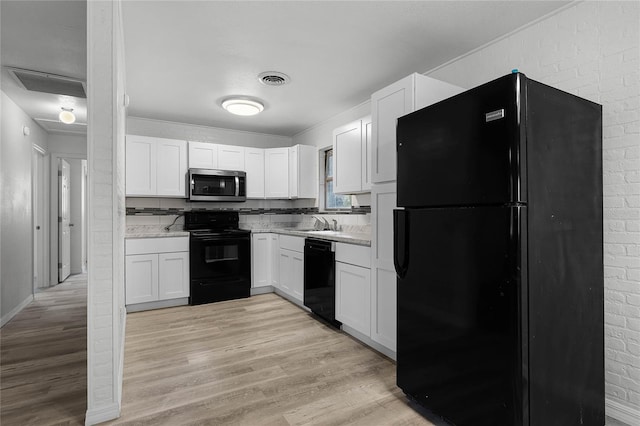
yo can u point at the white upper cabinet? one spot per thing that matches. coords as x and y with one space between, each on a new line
254 165
231 157
140 165
351 157
171 168
367 126
276 177
303 171
155 167
387 105
203 155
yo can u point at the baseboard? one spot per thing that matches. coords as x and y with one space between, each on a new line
160 304
102 414
120 372
623 413
9 315
262 290
369 342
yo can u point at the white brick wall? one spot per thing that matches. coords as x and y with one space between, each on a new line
591 50
106 210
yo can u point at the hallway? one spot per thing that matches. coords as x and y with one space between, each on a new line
43 374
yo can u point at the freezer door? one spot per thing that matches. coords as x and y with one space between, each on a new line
459 348
464 150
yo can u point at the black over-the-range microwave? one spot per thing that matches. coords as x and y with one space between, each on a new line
217 185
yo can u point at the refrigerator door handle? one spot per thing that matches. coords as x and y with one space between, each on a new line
401 242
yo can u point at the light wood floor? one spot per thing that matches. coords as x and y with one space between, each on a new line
256 361
43 364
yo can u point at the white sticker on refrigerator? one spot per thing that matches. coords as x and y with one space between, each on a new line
494 115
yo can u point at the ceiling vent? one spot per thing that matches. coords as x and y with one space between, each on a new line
273 78
48 83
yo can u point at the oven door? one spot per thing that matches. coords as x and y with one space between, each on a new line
220 267
217 185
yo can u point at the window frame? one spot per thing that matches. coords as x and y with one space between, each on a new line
326 179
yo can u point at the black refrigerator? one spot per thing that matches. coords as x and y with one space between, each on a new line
498 252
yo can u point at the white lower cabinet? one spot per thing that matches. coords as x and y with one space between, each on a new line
291 267
353 297
173 277
156 270
274 258
260 260
141 278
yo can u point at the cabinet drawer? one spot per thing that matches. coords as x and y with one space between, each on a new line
353 254
292 243
156 245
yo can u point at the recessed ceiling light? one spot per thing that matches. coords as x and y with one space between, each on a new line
240 106
67 116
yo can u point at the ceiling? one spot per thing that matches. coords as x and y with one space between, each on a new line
47 36
184 57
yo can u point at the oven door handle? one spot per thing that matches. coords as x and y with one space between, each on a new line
221 238
237 186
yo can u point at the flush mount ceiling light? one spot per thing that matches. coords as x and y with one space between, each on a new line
239 106
67 116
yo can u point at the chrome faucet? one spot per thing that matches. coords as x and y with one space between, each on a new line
335 225
323 222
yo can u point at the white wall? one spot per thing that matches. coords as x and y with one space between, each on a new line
192 132
16 211
591 50
68 144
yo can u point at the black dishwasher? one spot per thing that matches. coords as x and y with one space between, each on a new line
320 279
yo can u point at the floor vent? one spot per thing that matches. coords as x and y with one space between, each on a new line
48 83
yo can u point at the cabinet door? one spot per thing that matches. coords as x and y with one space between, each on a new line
141 278
383 275
254 163
387 105
308 161
231 157
353 297
297 275
277 173
203 155
140 165
274 257
284 269
260 260
173 281
171 168
367 127
347 158
293 172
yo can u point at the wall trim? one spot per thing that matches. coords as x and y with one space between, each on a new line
222 129
12 313
102 414
504 36
622 412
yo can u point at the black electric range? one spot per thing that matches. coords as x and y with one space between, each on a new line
220 257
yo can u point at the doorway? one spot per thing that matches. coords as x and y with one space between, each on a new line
68 217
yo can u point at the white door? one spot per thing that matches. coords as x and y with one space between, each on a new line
231 157
260 260
285 271
140 160
64 214
353 297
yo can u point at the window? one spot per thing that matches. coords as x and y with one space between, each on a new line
331 200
